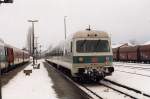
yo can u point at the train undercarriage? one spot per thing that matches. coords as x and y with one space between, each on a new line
88 74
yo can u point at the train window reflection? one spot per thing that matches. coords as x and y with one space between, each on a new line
84 46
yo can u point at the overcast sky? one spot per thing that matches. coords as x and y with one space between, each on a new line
123 19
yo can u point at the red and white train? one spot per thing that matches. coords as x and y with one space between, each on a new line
11 57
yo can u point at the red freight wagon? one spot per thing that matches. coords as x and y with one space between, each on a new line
116 54
123 56
145 53
132 53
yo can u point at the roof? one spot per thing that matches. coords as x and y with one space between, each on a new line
129 49
90 34
120 45
147 43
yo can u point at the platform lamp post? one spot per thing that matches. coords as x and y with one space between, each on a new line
40 50
3 1
33 47
36 48
65 33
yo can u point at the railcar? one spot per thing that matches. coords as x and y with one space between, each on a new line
139 53
11 57
144 52
3 62
89 53
116 54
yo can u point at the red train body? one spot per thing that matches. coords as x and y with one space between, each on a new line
139 53
11 57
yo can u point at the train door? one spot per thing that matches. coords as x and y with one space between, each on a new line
10 56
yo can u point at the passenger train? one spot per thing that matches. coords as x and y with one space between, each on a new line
11 57
89 54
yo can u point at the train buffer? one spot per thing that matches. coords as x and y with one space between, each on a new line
27 72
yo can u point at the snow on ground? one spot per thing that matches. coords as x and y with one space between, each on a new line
36 86
134 81
137 68
106 93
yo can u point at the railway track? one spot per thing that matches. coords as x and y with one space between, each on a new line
106 90
132 64
133 93
133 73
134 67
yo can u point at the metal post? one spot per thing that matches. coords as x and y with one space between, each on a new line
65 33
33 42
65 26
40 51
33 54
36 48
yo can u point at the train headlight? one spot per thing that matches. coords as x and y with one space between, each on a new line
80 59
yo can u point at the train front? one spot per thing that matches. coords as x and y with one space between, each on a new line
92 56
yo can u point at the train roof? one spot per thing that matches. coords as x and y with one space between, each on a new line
91 34
145 48
128 49
15 48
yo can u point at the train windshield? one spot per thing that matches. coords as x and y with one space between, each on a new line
84 46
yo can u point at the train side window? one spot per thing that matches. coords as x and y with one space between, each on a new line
71 46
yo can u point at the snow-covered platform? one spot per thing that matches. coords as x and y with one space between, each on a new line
131 76
36 86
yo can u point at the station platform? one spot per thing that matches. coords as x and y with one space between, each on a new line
37 85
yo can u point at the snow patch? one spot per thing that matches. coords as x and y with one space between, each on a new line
36 86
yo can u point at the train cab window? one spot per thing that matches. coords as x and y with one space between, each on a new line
84 46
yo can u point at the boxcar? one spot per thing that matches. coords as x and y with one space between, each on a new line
144 53
133 53
116 54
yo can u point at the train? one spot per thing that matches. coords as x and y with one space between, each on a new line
138 53
11 57
89 54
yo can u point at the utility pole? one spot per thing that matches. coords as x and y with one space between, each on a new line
40 50
65 33
36 48
33 47
4 1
